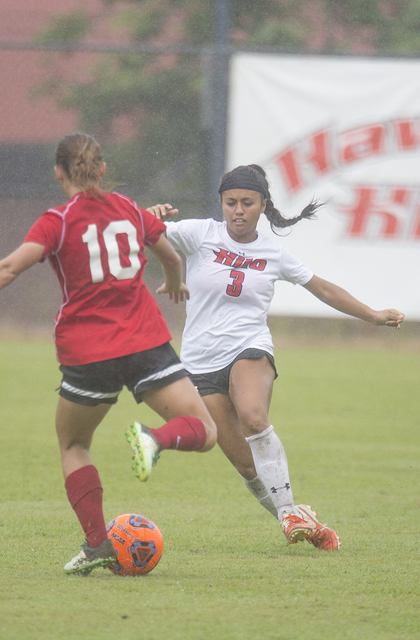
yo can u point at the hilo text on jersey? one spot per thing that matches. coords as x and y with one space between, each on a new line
235 261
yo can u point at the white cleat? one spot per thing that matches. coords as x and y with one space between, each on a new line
146 450
90 558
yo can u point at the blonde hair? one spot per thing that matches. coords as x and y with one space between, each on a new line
80 157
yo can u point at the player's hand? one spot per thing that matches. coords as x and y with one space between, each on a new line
180 295
162 211
389 318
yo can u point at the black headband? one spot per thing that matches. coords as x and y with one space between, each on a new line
244 178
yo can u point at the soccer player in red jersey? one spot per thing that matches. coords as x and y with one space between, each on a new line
109 332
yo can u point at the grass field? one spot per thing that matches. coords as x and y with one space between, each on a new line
349 420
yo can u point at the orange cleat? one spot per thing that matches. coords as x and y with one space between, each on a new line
296 528
322 537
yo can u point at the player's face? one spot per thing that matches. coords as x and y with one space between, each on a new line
242 209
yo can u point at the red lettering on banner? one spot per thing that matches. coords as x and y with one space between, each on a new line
312 157
294 163
416 228
320 157
369 205
287 161
407 135
361 143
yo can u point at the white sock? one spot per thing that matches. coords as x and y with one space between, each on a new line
271 465
258 490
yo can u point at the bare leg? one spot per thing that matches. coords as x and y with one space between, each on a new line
75 425
230 435
181 399
231 440
251 384
250 388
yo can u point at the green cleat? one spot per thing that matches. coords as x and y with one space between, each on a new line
89 558
146 450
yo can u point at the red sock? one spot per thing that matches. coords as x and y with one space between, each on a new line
84 491
185 434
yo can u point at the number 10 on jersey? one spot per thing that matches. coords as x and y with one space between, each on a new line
113 250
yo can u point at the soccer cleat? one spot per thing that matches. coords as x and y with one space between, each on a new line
322 537
90 558
146 450
296 528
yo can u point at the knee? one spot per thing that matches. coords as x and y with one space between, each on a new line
211 435
246 469
253 422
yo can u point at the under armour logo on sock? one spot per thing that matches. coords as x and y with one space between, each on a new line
276 489
178 439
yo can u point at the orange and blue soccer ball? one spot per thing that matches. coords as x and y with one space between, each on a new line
137 542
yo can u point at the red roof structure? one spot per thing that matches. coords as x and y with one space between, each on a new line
24 119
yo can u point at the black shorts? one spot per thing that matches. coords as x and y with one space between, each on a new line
102 382
218 381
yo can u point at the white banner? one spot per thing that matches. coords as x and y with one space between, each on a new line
345 131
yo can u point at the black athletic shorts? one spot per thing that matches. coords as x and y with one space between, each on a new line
101 382
218 381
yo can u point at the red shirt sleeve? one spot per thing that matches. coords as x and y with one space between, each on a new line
153 227
47 231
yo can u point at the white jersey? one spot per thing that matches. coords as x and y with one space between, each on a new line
231 286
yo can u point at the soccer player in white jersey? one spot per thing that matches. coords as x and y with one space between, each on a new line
109 332
227 346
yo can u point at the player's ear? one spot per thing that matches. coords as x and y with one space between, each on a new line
102 171
59 173
263 205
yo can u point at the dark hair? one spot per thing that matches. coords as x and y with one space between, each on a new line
253 177
80 157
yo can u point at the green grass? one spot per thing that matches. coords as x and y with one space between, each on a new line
349 422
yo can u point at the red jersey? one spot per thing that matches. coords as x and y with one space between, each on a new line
96 248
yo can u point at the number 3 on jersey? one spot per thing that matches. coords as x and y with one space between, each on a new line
235 288
113 250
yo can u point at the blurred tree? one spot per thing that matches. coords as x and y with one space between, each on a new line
160 98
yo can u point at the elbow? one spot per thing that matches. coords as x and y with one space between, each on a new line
6 277
174 262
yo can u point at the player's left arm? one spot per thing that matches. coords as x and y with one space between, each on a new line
28 254
162 211
341 300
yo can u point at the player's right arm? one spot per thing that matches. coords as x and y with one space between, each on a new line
28 254
172 270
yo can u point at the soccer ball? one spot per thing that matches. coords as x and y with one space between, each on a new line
137 542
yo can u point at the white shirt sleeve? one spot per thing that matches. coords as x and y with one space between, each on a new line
292 269
187 235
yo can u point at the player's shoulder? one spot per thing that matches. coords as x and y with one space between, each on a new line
191 226
121 200
195 222
268 243
62 210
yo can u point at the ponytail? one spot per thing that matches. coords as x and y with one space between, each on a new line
80 157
